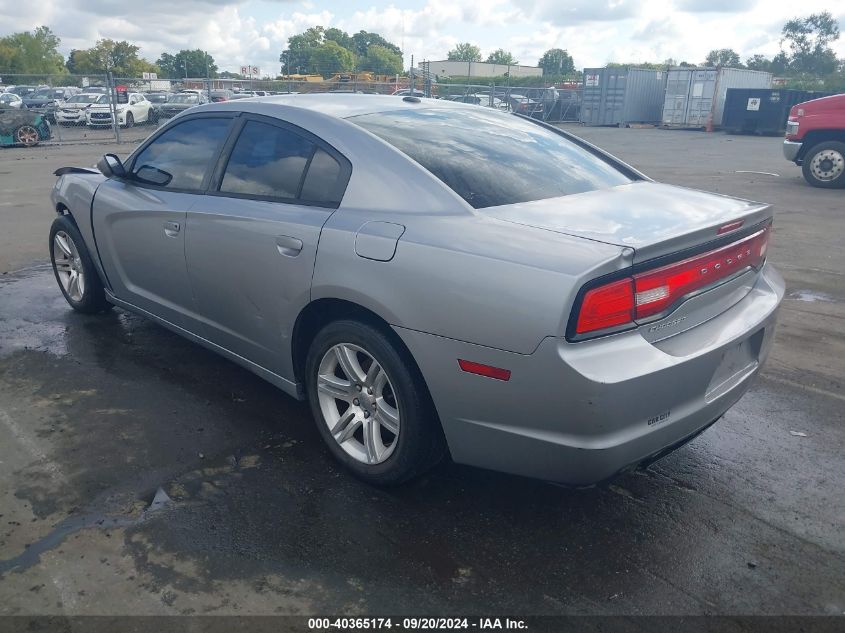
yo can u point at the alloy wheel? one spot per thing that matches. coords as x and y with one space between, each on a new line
69 266
358 403
27 135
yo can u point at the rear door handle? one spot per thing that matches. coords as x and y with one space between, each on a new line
171 229
288 246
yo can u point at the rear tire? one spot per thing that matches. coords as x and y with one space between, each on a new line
377 420
27 135
74 269
130 120
824 165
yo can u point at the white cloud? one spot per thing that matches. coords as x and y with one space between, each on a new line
238 32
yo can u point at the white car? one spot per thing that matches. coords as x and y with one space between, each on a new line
136 110
72 111
10 100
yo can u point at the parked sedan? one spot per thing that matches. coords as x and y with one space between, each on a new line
157 99
136 110
19 126
180 102
73 110
48 99
432 277
10 100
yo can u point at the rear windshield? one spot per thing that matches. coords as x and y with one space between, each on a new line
183 98
490 158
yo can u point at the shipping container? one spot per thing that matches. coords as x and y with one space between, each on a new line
696 96
620 96
762 111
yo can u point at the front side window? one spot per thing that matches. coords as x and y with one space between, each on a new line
180 157
267 161
489 158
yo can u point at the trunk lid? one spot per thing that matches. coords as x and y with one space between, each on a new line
652 218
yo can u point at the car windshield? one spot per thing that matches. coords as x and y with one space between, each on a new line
8 98
46 93
183 98
157 98
491 158
103 99
84 98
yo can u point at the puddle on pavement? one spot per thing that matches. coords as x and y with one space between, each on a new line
811 296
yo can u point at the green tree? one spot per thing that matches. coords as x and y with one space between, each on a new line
759 62
331 58
464 52
362 41
339 36
193 63
725 57
556 61
808 40
381 60
33 52
121 58
296 59
501 56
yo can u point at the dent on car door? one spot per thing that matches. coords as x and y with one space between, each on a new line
139 221
252 242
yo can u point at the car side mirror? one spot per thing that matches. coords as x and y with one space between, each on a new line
111 167
153 176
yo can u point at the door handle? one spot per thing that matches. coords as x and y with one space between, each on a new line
288 246
171 229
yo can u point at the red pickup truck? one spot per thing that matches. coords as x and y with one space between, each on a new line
815 140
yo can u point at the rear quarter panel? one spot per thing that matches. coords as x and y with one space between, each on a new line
469 277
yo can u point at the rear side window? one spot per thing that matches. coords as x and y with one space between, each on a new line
267 161
492 159
276 162
184 152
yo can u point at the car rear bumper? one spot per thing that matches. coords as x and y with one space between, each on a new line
579 413
790 150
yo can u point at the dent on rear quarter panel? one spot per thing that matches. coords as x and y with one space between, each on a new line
469 278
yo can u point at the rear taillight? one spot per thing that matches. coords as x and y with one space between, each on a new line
607 306
654 293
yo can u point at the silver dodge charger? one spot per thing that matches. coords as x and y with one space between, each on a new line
433 277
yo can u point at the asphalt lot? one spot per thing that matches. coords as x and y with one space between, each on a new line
98 413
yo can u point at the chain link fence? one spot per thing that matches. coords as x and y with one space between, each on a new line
105 109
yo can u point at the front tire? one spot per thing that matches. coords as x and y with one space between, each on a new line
74 270
824 165
371 405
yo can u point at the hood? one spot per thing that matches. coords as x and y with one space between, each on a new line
652 218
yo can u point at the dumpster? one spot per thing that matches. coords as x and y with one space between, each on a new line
762 111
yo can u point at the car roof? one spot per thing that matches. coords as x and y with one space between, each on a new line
339 105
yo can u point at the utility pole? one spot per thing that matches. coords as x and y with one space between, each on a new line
413 79
113 103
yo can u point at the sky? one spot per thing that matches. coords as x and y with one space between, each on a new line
254 32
